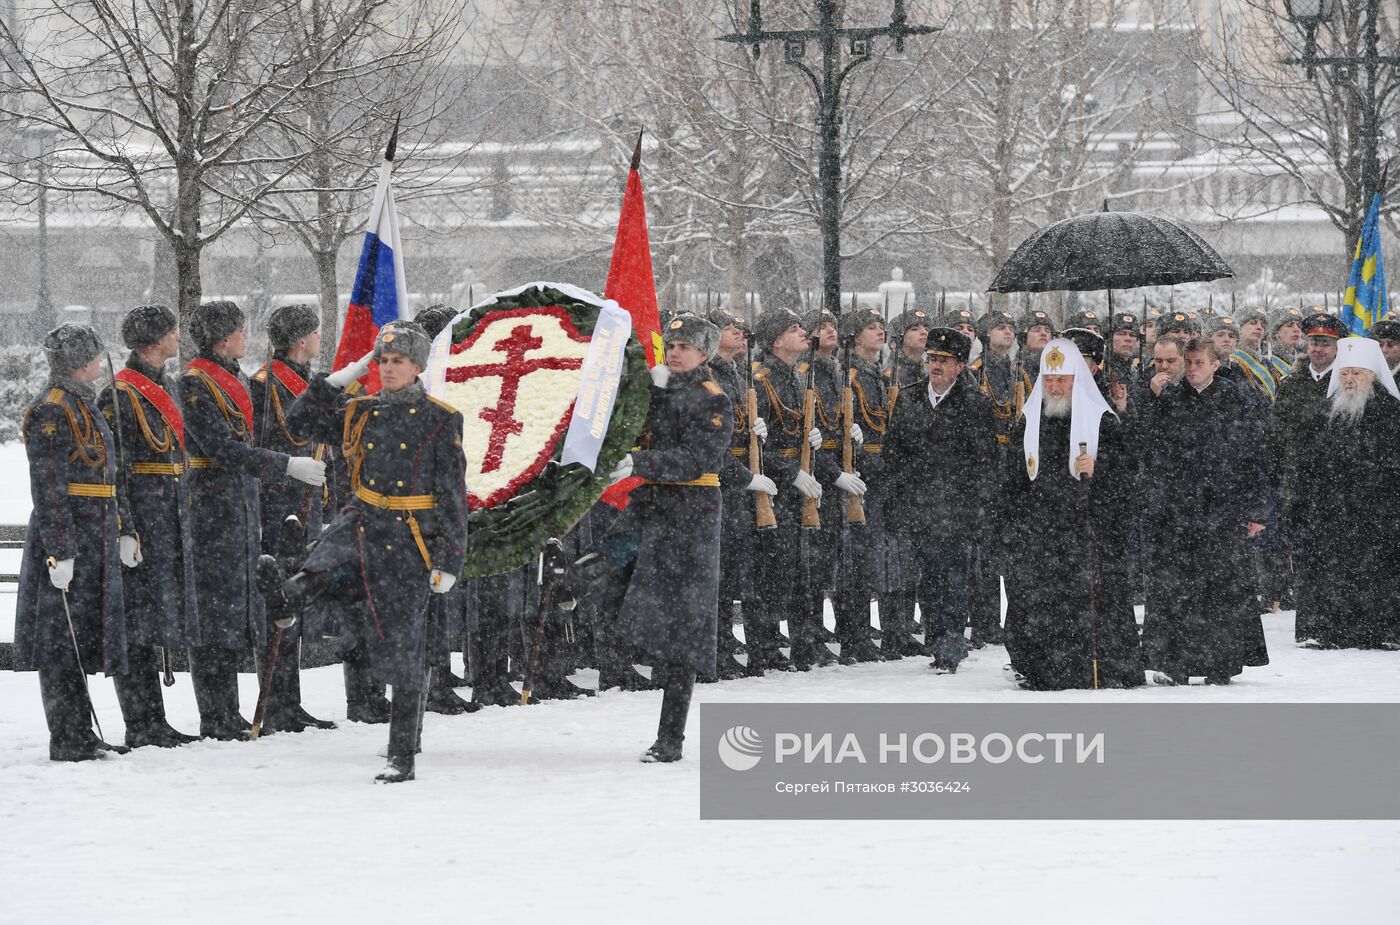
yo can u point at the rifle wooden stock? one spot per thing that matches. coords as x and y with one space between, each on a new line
811 517
763 517
855 509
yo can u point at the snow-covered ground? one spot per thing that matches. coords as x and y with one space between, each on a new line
521 813
524 812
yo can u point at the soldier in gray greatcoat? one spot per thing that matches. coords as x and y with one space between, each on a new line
672 597
225 469
403 533
68 614
159 591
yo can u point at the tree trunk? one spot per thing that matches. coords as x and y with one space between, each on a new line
189 290
329 291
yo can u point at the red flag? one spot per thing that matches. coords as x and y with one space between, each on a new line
632 286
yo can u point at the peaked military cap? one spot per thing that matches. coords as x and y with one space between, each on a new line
291 323
948 342
1321 324
1090 343
852 323
694 330
1386 329
147 324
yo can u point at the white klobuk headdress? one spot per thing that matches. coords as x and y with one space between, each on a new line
1062 358
1361 353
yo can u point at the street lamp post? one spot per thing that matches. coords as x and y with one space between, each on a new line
827 84
1308 15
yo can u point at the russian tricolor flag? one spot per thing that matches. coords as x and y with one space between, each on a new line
379 295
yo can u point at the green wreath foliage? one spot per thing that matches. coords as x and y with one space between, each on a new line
514 532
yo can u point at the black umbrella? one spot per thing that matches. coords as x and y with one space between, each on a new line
1109 250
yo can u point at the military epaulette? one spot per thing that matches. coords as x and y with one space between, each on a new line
260 375
975 365
803 367
442 404
712 387
888 374
55 396
761 373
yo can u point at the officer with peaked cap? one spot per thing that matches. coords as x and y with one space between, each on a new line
225 469
68 613
1387 333
158 591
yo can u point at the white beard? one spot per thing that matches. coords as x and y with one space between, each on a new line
1348 407
1058 407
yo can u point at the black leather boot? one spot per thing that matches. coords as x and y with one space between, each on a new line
678 682
441 698
551 681
214 671
143 709
66 710
403 738
364 698
489 658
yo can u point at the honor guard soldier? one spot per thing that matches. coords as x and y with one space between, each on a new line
739 487
1286 333
908 336
1124 347
68 615
1006 384
672 597
225 469
159 590
1033 333
1088 319
868 565
821 547
779 573
294 334
1260 368
403 533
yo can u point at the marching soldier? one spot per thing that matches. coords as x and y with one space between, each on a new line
404 532
780 578
672 598
737 483
225 468
294 332
68 615
158 591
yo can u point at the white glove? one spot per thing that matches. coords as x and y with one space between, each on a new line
286 623
660 375
760 427
808 485
857 434
61 574
623 469
764 484
342 377
850 483
441 582
130 549
308 470
814 439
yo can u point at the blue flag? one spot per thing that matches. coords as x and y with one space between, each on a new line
1365 301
